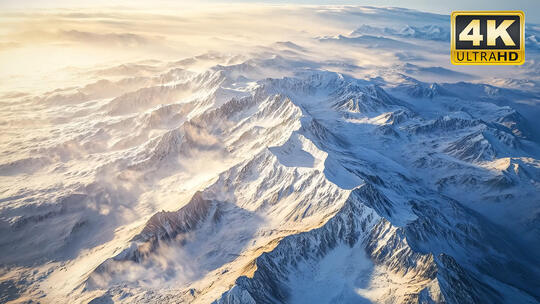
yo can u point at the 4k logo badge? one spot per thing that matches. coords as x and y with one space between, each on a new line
488 37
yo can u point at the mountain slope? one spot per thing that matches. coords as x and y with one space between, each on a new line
286 173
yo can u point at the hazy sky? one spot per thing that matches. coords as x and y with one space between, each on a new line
530 7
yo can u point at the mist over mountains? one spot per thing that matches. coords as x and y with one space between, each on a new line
349 163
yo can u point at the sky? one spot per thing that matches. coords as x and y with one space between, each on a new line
530 7
69 35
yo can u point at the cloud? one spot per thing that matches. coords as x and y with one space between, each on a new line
116 39
8 45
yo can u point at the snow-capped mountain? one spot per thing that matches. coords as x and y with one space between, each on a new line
278 176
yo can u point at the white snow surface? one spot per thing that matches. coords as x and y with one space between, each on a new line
350 165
